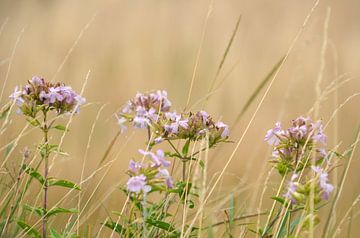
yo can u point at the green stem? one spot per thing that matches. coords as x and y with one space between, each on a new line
184 170
46 172
172 145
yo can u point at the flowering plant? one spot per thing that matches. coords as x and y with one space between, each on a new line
299 153
35 101
152 111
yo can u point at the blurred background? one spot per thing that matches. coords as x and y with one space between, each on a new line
131 46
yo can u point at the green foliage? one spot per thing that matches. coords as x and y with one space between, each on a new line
60 127
33 173
5 112
28 229
33 121
115 226
62 183
185 149
163 226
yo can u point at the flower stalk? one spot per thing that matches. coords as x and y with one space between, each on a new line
45 158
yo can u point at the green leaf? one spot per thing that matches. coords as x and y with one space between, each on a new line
55 234
57 210
282 229
38 210
278 199
5 112
62 183
28 229
55 148
185 148
190 203
33 121
202 164
33 173
232 209
161 224
60 127
8 149
115 226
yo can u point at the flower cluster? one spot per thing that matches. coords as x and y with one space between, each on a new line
298 192
147 175
39 95
293 146
152 111
193 126
296 150
143 109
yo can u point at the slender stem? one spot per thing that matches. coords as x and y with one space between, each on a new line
184 170
148 133
183 160
235 219
172 145
46 172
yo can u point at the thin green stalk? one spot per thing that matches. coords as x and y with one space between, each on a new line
46 173
184 170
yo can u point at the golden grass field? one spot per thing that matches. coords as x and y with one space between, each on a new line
130 46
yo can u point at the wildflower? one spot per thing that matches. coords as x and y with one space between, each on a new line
326 187
158 158
168 179
36 81
145 108
40 95
294 145
135 166
225 129
272 135
291 189
141 122
16 96
137 184
204 116
152 111
144 175
319 134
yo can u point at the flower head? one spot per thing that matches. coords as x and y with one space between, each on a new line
292 146
145 108
137 184
39 95
145 174
272 135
